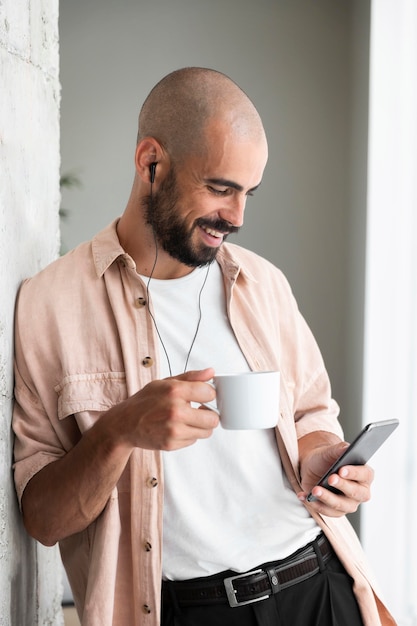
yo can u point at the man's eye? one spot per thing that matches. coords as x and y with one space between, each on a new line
218 192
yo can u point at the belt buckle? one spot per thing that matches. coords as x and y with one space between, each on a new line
231 591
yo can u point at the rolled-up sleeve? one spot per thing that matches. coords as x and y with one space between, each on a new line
36 442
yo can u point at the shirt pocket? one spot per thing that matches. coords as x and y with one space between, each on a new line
83 398
87 396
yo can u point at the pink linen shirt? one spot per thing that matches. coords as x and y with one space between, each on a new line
85 342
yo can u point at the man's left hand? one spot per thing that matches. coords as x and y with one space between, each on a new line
318 451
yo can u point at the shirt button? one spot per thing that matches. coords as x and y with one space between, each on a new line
140 303
153 482
147 361
146 609
147 546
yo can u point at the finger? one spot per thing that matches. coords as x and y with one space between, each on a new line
181 390
197 375
355 490
203 418
327 503
190 421
196 424
197 389
359 473
351 495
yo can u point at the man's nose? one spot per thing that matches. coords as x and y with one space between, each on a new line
234 211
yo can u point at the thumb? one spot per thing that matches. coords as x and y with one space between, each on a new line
333 452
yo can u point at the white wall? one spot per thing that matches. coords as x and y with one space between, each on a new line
30 588
304 64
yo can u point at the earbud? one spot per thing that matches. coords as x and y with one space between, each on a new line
152 169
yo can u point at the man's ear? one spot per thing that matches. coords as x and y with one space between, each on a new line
150 160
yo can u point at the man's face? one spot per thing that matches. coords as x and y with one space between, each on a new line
196 208
172 230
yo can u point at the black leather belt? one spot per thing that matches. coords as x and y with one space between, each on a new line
252 586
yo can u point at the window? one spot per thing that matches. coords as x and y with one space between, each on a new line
389 522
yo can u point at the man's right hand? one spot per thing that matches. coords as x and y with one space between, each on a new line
160 416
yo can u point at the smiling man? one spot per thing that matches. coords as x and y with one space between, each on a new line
162 516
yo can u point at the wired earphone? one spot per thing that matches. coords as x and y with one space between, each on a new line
152 170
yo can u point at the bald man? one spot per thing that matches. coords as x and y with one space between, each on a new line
115 456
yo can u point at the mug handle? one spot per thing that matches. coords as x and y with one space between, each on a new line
210 405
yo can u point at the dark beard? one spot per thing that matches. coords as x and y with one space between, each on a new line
170 230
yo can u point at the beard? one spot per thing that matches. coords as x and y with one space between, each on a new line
171 231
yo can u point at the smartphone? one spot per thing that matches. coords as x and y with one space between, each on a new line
360 450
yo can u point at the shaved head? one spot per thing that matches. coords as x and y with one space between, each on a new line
181 107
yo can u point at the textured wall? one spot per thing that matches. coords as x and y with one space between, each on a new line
30 587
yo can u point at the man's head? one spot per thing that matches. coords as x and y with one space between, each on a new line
181 107
201 150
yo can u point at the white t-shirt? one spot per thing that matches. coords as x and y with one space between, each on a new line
228 504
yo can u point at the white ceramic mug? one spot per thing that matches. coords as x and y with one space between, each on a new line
247 401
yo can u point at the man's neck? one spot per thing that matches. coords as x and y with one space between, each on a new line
137 239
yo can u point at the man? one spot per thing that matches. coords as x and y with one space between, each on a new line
115 346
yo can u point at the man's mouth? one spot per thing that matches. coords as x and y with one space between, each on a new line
214 233
217 228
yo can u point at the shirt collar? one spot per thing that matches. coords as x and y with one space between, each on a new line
230 259
107 249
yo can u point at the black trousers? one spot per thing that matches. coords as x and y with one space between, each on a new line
325 599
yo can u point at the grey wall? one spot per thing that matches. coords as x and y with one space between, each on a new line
305 66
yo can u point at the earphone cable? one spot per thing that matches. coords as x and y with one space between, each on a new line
149 282
200 311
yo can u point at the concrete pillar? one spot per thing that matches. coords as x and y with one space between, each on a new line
30 579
